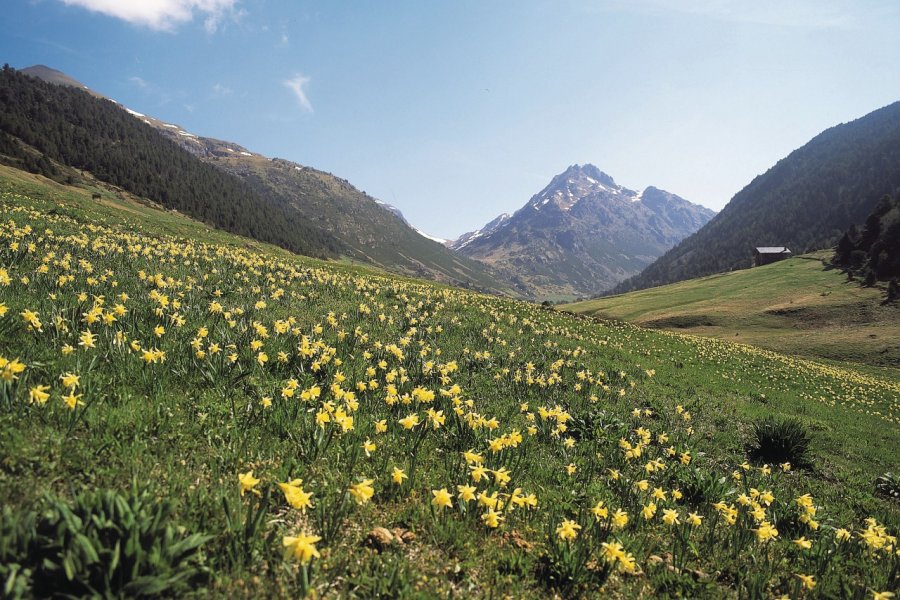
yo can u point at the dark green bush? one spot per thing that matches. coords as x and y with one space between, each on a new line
702 488
104 544
888 485
777 441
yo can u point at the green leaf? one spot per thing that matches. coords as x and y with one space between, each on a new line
87 549
69 567
114 559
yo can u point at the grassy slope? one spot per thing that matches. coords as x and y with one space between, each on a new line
373 235
796 306
186 428
141 215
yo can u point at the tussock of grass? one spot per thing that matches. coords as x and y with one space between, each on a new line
777 441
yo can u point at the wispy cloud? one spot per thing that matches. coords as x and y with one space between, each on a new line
163 15
152 92
220 90
296 84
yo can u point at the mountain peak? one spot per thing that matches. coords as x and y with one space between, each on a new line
588 171
591 171
577 182
583 233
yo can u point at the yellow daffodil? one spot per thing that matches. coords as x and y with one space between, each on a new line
363 491
39 394
398 475
803 543
301 547
808 581
670 517
409 421
492 518
765 532
442 498
568 530
72 400
70 380
248 483
466 492
295 495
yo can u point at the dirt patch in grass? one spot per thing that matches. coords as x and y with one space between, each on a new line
682 322
808 317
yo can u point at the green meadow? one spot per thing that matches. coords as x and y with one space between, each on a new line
798 306
185 412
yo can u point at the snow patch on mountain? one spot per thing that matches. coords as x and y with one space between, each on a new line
467 238
430 237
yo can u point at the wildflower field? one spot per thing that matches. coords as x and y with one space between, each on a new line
187 412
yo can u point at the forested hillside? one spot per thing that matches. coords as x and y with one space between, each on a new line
71 127
874 249
806 201
321 214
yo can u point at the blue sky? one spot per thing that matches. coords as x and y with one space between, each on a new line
457 111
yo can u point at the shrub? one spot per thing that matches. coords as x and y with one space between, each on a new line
105 544
778 441
888 485
702 488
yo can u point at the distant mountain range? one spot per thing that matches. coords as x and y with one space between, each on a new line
582 234
805 202
298 207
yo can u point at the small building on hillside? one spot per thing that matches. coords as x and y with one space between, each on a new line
764 255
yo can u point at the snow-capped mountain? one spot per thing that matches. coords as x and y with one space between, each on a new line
583 233
463 240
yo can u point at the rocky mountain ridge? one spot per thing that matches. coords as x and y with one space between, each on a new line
583 233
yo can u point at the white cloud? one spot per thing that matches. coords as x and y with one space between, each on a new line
139 82
220 90
296 85
162 14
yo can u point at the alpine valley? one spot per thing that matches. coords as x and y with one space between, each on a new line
229 375
580 236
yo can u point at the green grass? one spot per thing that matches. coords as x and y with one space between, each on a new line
797 306
182 429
